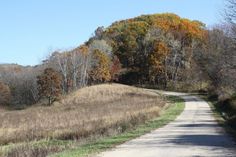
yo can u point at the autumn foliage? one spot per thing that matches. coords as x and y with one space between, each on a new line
49 85
155 47
158 49
5 94
157 56
101 68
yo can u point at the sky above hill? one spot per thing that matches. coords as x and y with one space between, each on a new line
30 30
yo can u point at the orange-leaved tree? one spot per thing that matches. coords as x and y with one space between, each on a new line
157 58
49 85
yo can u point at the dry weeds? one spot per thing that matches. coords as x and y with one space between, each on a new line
95 110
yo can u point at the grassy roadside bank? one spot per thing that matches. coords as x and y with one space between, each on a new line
109 142
219 116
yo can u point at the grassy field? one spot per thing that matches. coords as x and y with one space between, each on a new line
85 115
106 143
74 148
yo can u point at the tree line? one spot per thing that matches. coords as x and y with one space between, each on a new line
160 50
59 74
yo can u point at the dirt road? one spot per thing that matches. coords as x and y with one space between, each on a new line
194 133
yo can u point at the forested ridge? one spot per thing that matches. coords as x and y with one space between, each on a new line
161 51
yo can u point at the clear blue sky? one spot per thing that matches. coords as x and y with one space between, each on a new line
30 29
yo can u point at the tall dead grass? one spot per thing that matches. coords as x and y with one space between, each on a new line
91 111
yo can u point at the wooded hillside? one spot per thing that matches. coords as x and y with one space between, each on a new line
161 51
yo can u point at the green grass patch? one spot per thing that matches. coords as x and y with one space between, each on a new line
170 114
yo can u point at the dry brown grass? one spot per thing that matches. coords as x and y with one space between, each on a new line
95 110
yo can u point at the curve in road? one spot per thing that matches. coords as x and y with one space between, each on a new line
194 133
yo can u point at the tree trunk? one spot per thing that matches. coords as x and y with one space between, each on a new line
49 101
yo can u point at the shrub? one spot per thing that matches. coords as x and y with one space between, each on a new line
5 94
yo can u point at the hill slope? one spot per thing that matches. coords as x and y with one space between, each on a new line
95 110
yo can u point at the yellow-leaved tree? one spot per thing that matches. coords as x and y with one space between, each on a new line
100 71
